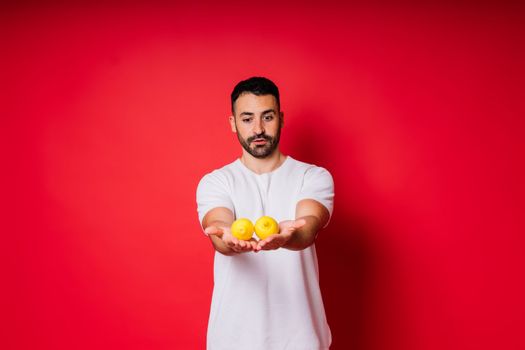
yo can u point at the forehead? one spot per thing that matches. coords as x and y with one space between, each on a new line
248 102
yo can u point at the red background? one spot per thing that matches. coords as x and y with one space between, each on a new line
112 114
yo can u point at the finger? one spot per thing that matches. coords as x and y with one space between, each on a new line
269 246
270 238
268 242
209 230
275 243
235 245
239 245
246 246
212 230
249 245
231 244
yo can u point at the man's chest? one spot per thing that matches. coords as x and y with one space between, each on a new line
253 197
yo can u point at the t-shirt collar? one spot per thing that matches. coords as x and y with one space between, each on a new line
274 171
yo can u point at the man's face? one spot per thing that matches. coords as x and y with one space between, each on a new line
257 122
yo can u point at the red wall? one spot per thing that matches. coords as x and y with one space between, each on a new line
111 114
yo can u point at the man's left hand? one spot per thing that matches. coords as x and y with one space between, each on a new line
276 241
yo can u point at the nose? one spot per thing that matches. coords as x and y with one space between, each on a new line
258 127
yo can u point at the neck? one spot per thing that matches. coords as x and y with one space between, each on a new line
263 165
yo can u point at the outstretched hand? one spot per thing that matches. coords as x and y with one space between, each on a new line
235 244
276 241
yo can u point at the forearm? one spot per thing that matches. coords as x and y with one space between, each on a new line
305 236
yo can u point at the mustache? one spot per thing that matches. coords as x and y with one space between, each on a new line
261 136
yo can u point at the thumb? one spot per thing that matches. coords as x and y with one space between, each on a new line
213 230
299 223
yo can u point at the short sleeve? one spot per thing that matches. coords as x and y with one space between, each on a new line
212 192
318 184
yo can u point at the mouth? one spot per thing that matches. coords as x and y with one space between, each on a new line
259 142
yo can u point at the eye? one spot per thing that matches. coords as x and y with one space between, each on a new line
268 117
246 120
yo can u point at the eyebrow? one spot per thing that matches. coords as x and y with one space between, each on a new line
271 110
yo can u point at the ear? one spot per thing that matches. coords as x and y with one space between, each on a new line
281 119
232 123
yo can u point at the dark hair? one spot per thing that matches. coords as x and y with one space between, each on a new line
257 86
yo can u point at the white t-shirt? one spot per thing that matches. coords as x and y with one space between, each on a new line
268 300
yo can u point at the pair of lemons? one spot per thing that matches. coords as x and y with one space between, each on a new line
264 227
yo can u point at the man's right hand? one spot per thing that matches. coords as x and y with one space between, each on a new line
235 244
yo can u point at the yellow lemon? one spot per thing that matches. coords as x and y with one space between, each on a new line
242 229
266 226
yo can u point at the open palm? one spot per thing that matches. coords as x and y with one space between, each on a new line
276 241
232 242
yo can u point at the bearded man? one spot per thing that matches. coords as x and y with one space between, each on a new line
266 292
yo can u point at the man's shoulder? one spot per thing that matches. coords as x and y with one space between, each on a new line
306 167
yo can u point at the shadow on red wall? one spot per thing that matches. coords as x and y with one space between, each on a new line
354 260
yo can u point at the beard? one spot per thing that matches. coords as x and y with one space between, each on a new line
261 151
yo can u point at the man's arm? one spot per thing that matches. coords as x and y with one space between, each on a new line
310 217
316 216
216 224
